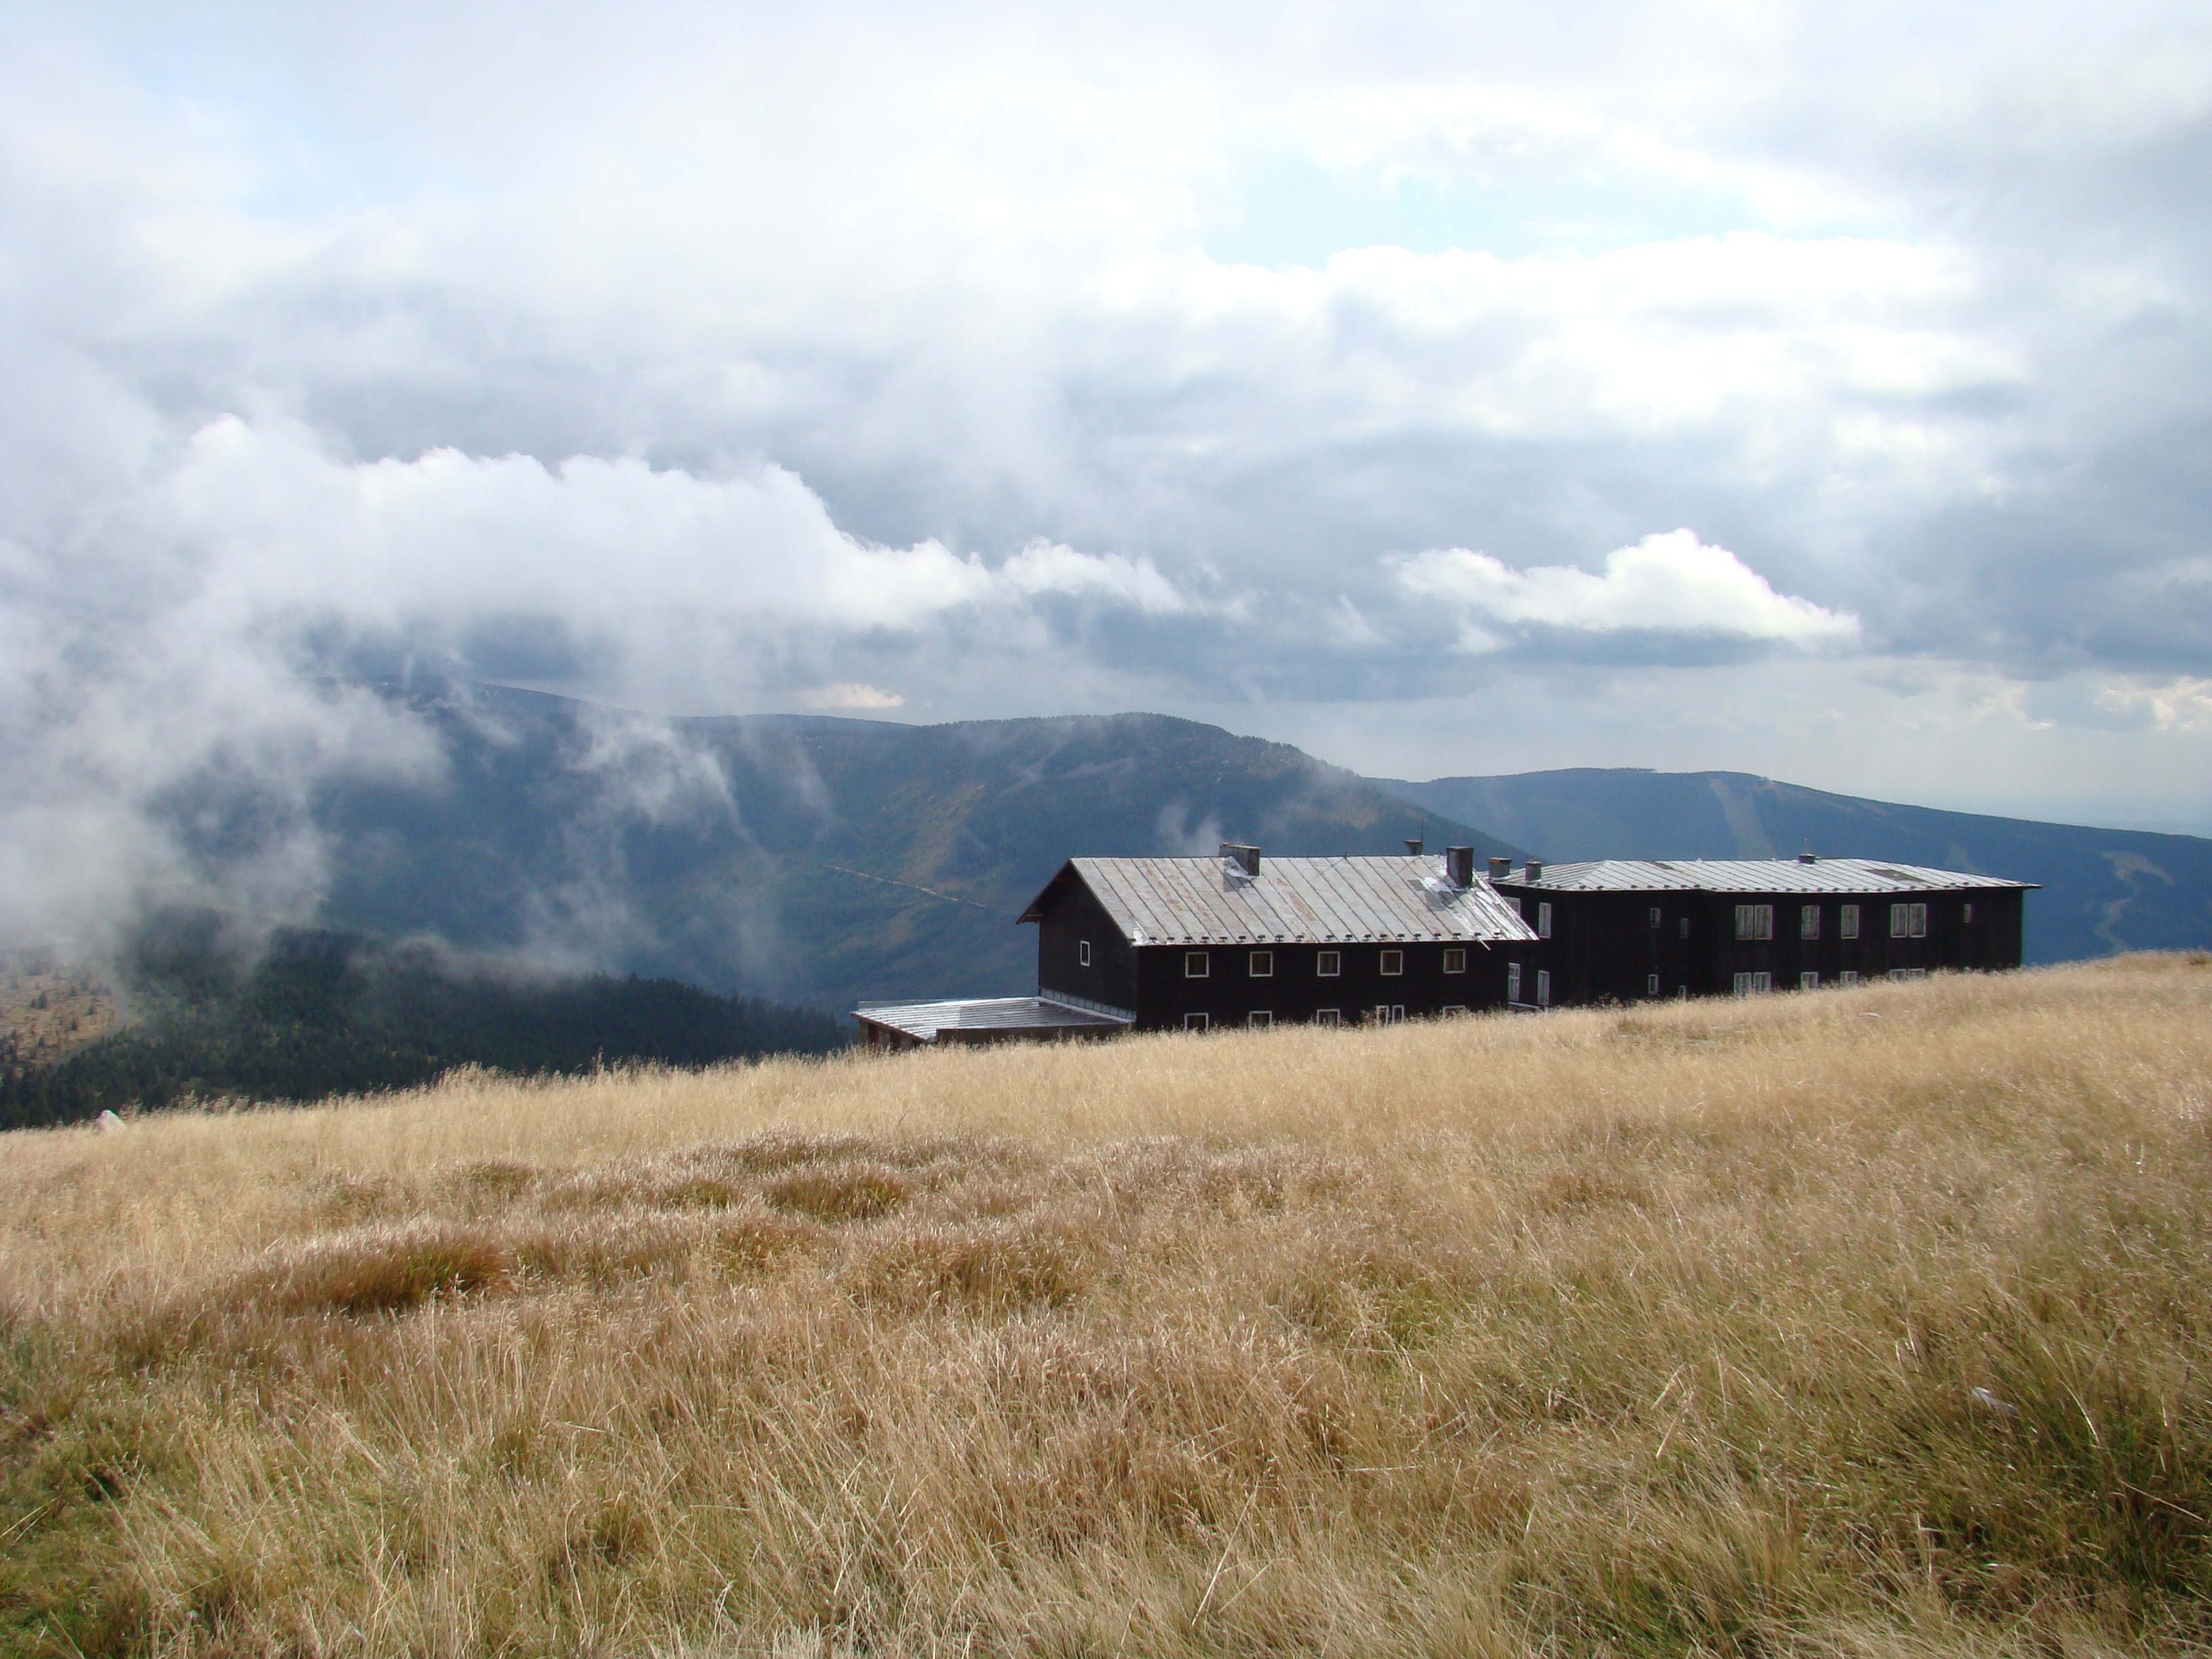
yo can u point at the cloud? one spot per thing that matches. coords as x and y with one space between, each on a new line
847 695
1665 584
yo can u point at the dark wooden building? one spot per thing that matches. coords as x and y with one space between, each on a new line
1626 930
1243 940
1237 939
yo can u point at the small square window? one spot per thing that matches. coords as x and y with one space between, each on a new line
1848 976
1809 921
1328 964
1908 973
1195 1021
1328 1016
1455 959
1753 985
1809 981
1083 952
1394 962
1263 964
1193 964
1259 1019
1847 921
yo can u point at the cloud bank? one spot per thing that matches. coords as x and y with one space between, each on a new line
1007 362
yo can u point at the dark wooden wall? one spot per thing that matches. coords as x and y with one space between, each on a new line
1295 994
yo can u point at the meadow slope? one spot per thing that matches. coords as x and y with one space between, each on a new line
1868 1322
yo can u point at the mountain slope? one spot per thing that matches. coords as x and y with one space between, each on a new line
807 858
2104 890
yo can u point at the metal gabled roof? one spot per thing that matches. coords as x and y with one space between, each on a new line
1293 901
1824 875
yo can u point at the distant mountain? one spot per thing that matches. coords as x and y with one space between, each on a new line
810 859
2103 890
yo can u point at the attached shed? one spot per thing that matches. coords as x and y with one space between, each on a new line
1626 930
896 1025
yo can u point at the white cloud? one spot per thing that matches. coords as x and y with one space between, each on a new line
847 695
1665 584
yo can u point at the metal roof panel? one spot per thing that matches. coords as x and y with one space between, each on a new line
1824 875
1210 901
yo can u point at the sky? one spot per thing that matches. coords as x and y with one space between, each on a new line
1819 391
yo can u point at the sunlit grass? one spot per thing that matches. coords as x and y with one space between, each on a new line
1868 1322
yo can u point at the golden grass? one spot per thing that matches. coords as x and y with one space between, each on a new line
1864 1323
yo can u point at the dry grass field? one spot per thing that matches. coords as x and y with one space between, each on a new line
1870 1322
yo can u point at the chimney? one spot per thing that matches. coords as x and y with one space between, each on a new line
1500 867
1247 857
1459 866
1536 871
1413 847
1806 856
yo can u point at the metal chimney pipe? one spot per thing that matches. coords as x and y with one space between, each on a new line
1500 867
1536 872
1459 866
1413 847
1249 857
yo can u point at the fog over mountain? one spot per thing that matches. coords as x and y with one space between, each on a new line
1446 390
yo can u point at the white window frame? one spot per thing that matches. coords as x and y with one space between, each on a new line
1809 921
1809 981
1919 927
1259 1019
1513 981
1967 914
1908 973
1328 964
1392 963
1655 916
1651 985
1754 921
1331 1018
1196 1022
1543 987
1082 953
1454 959
1753 985
1847 921
1262 965
1908 922
1848 976
1544 920
1195 966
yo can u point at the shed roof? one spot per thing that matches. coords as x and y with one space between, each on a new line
1329 901
1824 875
1010 1016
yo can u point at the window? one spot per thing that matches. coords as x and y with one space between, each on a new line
1754 921
1194 1022
1848 976
1456 960
1966 913
1331 1017
1513 981
1809 981
1390 1013
1259 1019
1263 964
1920 921
1394 962
1809 921
1651 985
1328 964
1544 920
1908 973
1454 1008
1543 988
1908 922
1753 985
1847 921
1193 964
1083 952
1516 903
1682 928
1655 915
